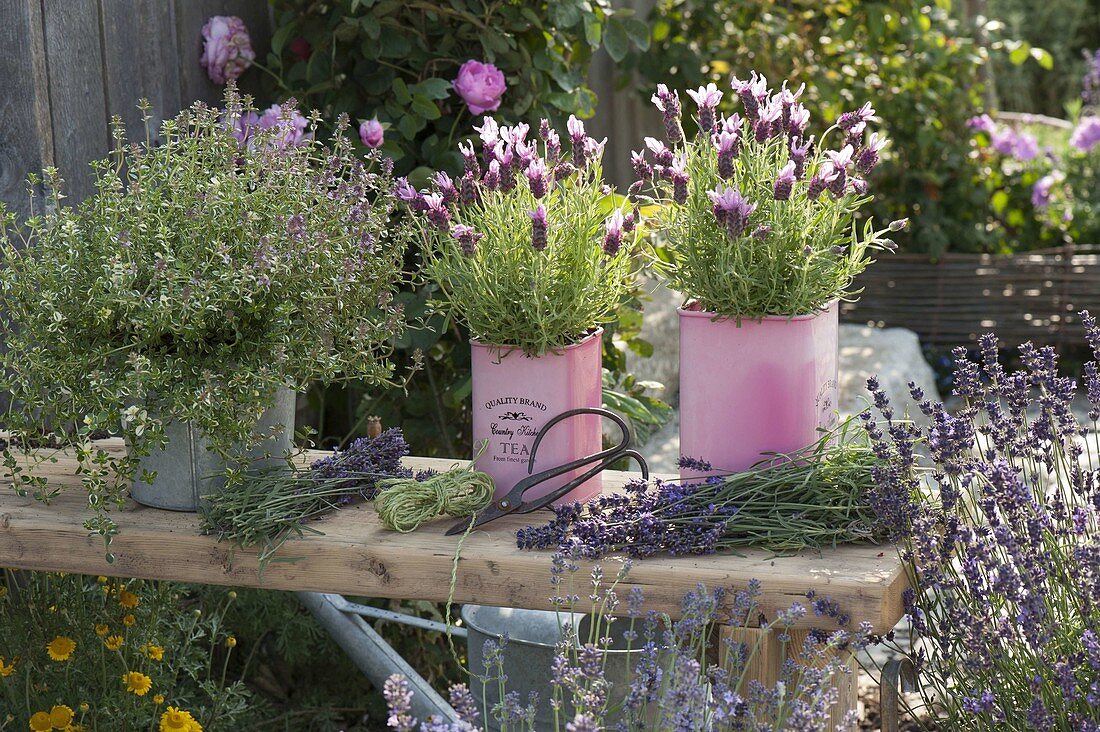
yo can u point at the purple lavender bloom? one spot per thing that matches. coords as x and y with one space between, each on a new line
982 123
490 133
800 150
492 176
769 120
399 700
539 178
707 98
868 155
798 122
515 135
1040 192
679 175
446 187
469 159
643 171
613 236
437 211
468 191
669 104
661 152
731 209
752 92
855 122
593 149
539 228
823 179
1087 134
553 145
784 182
840 161
404 191
467 237
729 146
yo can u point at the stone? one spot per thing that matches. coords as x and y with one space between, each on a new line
895 356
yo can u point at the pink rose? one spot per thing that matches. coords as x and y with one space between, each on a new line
480 85
226 48
301 49
371 133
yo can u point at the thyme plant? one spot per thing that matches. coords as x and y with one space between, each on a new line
759 218
206 272
529 247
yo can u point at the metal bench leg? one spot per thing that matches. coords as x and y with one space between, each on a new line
898 675
372 654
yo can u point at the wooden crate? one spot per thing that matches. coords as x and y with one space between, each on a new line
950 301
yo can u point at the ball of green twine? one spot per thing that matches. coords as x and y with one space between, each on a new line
403 504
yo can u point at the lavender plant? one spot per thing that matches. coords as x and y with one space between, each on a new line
680 680
814 497
759 218
999 534
207 270
529 247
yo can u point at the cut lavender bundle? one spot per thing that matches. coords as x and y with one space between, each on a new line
815 497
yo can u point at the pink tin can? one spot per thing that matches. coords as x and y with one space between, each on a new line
762 386
514 395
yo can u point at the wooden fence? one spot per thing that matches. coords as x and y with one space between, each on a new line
68 66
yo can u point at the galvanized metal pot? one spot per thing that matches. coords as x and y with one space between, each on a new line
186 470
533 636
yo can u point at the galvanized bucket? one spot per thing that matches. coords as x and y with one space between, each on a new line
533 637
186 469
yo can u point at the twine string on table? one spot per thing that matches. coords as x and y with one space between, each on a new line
403 504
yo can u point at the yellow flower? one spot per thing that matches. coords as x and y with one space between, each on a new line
40 722
60 648
177 720
231 642
137 683
61 716
129 621
84 706
158 699
113 642
101 630
3 592
8 670
101 580
154 652
128 599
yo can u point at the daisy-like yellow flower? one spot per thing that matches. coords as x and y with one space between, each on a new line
231 642
61 716
137 683
61 648
40 722
158 699
113 642
101 630
101 580
6 670
129 621
178 720
128 599
84 706
154 652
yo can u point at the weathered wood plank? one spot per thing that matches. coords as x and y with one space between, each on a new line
78 105
140 60
190 15
26 139
355 555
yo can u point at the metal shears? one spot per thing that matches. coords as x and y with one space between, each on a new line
513 501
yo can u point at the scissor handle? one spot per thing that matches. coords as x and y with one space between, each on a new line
598 411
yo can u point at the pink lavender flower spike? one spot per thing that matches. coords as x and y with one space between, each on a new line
679 175
538 177
489 133
643 171
661 152
467 238
768 120
539 228
437 211
469 159
468 191
731 209
840 161
669 104
798 121
800 150
821 180
226 49
752 93
784 182
408 194
729 145
446 187
491 180
613 238
707 98
854 123
577 137
867 157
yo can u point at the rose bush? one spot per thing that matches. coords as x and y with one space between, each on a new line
480 85
227 48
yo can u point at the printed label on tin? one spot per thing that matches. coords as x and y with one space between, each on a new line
512 427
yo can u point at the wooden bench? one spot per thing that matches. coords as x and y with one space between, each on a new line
356 556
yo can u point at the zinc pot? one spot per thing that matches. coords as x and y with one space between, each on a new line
186 470
756 387
533 638
514 395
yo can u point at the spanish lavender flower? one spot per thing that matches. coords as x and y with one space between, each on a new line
467 237
679 175
404 191
798 122
490 133
469 159
867 157
631 219
515 135
492 176
768 121
539 178
898 225
539 228
446 187
577 136
613 236
729 145
553 146
761 232
707 98
752 92
661 152
643 171
468 189
563 170
593 149
788 100
855 122
669 104
437 211
731 209
859 186
800 150
821 180
840 161
784 182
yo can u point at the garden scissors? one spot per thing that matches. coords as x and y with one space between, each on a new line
513 501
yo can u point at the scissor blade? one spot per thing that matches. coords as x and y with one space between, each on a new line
491 513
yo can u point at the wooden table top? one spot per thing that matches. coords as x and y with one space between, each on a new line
356 556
